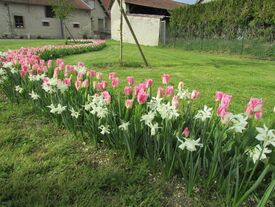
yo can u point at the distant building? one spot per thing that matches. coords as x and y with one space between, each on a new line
100 18
35 19
149 19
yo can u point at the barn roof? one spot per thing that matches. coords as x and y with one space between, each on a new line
78 4
159 4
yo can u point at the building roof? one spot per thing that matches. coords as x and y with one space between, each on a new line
159 4
78 4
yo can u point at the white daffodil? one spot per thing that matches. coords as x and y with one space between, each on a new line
258 153
190 144
102 112
2 72
3 54
154 103
104 129
52 81
124 126
266 136
167 111
34 95
148 118
62 87
8 65
239 122
13 70
204 114
48 88
184 94
53 109
87 107
18 89
74 113
60 109
81 69
154 128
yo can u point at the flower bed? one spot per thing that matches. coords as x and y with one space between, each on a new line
211 148
53 52
80 41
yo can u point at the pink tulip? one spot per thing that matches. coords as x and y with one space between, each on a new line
175 102
92 73
219 95
225 102
78 84
115 82
104 84
142 97
165 79
254 107
44 68
225 117
98 75
148 83
55 73
112 75
169 91
85 83
194 94
45 80
181 85
127 90
49 63
67 81
140 88
186 132
79 76
107 97
129 103
31 72
130 80
160 92
99 86
80 64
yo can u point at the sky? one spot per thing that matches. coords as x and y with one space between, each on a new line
187 1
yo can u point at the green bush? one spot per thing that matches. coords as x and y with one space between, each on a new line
225 19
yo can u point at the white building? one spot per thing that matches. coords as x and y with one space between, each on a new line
35 19
149 20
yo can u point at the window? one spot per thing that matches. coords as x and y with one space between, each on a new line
100 25
19 22
46 23
76 25
49 12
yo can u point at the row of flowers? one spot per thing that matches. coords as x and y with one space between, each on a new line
81 41
210 147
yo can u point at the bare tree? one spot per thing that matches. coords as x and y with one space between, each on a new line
62 9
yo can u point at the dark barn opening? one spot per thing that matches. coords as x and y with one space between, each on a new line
137 9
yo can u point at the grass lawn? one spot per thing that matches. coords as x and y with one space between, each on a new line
6 44
241 77
43 165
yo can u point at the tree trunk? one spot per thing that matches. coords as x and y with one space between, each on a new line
62 29
121 38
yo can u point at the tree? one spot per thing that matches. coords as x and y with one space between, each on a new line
62 9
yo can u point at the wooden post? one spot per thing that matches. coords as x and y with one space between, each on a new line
133 33
121 37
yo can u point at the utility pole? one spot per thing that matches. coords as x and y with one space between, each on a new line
121 36
133 33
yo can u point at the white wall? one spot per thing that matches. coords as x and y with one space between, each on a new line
33 17
146 28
